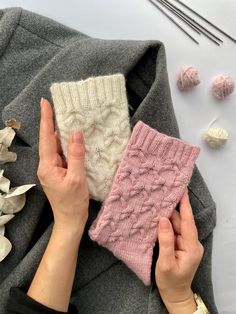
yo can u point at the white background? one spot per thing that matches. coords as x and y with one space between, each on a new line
139 19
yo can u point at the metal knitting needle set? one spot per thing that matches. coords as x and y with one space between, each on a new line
192 23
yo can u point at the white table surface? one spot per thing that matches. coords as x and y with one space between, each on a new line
139 19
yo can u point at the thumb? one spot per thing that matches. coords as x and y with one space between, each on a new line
166 241
75 154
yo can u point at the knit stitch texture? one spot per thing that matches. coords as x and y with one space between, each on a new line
151 179
98 106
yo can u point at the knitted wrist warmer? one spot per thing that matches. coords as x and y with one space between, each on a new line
154 172
98 106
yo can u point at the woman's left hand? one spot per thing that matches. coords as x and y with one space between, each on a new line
65 185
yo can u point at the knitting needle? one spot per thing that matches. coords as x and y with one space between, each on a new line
206 20
194 21
180 16
204 30
176 23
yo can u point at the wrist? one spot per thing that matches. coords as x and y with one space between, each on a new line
65 220
68 232
180 304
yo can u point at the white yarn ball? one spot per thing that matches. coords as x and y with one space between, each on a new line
216 137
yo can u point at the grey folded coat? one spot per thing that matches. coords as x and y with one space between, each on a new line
34 52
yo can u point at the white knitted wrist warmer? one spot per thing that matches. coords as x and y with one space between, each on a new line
98 106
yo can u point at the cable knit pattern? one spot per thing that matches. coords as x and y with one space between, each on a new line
150 181
98 106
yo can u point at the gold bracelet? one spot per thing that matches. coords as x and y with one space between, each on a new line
200 303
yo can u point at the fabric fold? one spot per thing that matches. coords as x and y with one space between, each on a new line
9 19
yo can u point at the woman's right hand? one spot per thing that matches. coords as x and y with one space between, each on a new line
180 254
64 182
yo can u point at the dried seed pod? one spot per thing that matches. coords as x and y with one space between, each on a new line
13 123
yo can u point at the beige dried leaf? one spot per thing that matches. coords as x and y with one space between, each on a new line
2 230
3 148
4 182
6 156
5 219
6 136
13 123
13 204
15 199
5 247
19 190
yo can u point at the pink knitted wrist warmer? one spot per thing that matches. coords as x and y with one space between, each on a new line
150 181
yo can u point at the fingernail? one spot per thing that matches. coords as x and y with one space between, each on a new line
164 223
77 137
42 101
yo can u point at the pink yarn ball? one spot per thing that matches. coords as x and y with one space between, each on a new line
188 78
222 86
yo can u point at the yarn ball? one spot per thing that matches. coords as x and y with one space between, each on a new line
216 137
188 78
222 86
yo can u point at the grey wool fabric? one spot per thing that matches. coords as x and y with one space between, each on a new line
36 51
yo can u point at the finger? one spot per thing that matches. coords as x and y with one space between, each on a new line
75 155
188 227
47 140
63 162
166 241
179 243
175 220
59 148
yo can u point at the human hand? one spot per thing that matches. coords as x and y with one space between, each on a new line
65 185
180 254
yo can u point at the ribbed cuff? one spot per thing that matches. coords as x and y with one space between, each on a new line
162 145
88 94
